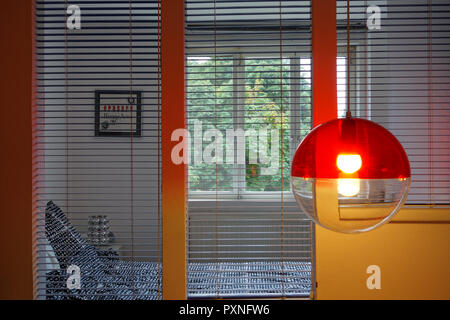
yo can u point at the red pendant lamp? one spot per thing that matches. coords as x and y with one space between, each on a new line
350 175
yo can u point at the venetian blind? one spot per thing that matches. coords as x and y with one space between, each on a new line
248 83
97 149
399 71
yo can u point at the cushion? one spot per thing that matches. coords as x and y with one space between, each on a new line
69 246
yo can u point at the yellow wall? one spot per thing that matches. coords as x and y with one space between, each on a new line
414 258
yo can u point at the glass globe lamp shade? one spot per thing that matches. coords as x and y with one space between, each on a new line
350 175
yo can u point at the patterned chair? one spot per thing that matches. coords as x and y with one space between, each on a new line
103 275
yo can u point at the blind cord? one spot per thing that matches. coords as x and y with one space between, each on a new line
281 154
66 100
159 152
430 98
216 156
133 110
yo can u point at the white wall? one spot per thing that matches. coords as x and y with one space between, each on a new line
100 170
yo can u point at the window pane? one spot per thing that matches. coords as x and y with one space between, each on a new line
210 107
342 86
267 108
305 101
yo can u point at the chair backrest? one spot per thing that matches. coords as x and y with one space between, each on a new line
67 243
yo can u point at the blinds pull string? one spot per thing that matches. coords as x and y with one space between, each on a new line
281 155
159 152
131 139
217 168
430 99
66 102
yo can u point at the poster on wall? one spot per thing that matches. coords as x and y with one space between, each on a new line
117 113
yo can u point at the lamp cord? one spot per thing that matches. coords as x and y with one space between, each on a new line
348 114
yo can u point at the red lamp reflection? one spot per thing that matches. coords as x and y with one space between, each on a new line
350 175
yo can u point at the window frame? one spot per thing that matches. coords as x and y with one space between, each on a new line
239 170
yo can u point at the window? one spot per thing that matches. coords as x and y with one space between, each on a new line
247 97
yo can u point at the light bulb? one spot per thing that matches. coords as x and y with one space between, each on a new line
348 187
349 163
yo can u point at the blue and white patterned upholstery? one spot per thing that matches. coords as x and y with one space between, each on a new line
69 246
105 277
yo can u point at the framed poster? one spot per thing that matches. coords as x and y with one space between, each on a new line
117 113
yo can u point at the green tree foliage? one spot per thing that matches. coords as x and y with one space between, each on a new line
210 100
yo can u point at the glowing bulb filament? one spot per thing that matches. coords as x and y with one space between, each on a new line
349 163
348 187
